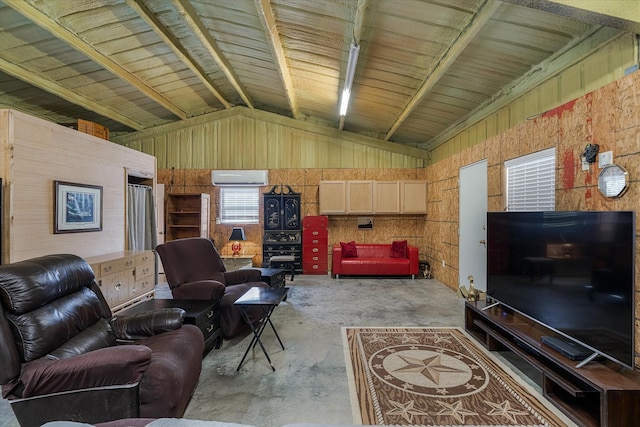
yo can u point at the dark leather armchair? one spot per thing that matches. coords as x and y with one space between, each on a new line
63 356
194 270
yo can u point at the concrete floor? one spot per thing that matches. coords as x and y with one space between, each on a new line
309 384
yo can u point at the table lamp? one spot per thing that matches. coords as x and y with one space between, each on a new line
237 234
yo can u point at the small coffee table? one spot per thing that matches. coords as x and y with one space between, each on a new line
267 299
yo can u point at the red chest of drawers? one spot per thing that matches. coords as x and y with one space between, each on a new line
315 240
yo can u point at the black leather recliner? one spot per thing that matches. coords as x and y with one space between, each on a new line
63 356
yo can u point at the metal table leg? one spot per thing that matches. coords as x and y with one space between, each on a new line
257 333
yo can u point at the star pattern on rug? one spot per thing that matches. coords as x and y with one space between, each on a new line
426 383
409 338
504 409
439 339
431 367
376 338
405 410
455 410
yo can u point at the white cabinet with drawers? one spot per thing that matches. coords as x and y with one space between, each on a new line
125 278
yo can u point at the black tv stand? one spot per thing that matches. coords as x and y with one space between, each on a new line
601 393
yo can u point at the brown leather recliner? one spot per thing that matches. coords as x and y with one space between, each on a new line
194 270
63 356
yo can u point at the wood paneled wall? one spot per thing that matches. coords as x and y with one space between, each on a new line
241 138
609 117
386 228
35 153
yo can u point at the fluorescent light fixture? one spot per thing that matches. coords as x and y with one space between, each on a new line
344 103
348 80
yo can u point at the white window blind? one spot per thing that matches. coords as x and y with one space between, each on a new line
239 205
531 182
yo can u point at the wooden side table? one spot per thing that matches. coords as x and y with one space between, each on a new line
205 314
274 277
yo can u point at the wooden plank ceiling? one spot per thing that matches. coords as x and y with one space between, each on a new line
424 65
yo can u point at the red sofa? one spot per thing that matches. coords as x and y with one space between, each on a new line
374 260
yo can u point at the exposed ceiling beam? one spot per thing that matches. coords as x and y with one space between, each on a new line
620 14
196 25
571 54
37 80
269 23
455 50
41 19
177 48
357 32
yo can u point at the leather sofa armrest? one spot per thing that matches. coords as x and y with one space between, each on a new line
109 366
148 323
413 259
336 257
202 289
10 367
244 275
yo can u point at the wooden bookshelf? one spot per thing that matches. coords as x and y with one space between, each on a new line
187 215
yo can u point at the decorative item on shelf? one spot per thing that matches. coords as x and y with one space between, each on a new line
237 235
471 294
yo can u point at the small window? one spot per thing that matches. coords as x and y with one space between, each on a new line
239 205
531 182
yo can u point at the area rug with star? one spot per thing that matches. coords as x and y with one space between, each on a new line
437 377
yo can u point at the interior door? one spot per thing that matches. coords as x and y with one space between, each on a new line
473 225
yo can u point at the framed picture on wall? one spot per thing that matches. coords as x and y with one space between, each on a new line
77 207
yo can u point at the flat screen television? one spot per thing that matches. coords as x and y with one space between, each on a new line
570 271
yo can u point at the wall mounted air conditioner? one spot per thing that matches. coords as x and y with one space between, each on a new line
240 177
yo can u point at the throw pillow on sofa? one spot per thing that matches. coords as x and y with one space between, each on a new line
399 249
349 249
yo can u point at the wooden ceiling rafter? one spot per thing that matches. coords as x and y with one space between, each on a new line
54 88
195 24
463 40
621 14
59 31
151 19
571 54
422 78
269 23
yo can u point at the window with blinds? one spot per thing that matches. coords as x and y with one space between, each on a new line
239 205
531 182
